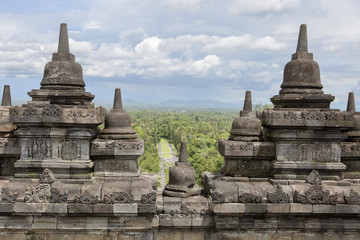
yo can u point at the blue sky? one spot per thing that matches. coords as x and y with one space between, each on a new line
182 49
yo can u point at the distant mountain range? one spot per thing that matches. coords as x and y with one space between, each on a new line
177 105
167 105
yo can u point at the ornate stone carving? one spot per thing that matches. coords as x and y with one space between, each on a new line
290 116
58 196
110 145
316 194
148 198
8 196
47 176
249 198
353 198
30 111
52 110
332 116
91 113
138 145
95 146
71 149
120 145
74 112
313 178
14 111
86 198
218 197
45 192
38 194
118 197
3 143
279 196
313 115
39 148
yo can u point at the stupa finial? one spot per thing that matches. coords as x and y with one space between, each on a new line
302 45
63 39
183 153
117 99
6 98
351 103
247 102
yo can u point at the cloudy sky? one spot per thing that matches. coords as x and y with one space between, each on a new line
181 49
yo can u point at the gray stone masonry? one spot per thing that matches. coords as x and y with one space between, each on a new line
291 172
56 127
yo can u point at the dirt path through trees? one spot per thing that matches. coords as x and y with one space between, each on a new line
167 159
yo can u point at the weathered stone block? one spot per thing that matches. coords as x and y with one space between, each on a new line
168 235
71 223
19 222
79 208
298 208
125 208
183 222
146 208
58 208
96 223
116 223
138 223
247 223
196 204
228 208
227 190
351 224
193 235
332 223
165 220
6 207
101 208
291 223
201 221
312 223
60 236
27 207
278 208
12 236
44 222
226 222
266 224
324 209
91 236
255 207
172 204
347 209
208 180
310 235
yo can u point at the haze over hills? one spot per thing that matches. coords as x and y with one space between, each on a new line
177 104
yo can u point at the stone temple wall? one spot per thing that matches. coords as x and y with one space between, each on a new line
291 172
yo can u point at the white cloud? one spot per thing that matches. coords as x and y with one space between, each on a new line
91 25
183 3
261 6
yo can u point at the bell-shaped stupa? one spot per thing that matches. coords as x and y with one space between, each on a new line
247 127
182 177
63 82
301 87
118 122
